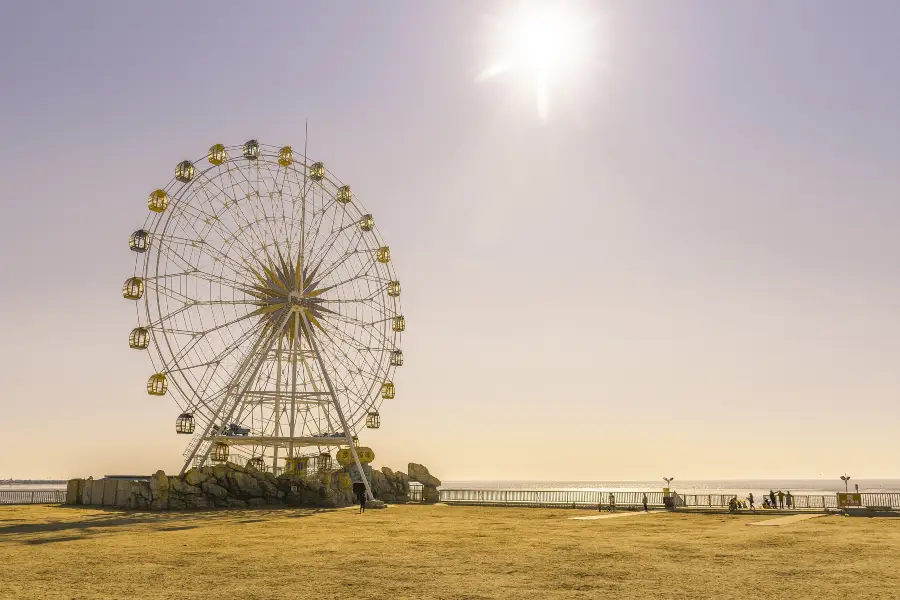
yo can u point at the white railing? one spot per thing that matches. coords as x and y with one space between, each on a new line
32 496
593 498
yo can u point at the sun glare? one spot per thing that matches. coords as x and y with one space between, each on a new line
544 44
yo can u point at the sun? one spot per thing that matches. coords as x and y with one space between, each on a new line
546 45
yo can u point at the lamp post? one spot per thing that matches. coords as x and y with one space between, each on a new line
668 480
845 478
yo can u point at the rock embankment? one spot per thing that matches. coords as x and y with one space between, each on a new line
233 486
429 482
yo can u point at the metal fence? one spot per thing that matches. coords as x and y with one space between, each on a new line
585 499
32 496
549 498
881 500
721 501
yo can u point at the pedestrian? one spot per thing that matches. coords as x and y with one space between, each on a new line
789 499
780 499
750 500
772 502
612 502
359 489
644 500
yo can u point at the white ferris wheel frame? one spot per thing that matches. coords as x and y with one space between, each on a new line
217 253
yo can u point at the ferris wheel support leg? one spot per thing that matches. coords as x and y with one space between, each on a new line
297 350
259 364
277 406
337 406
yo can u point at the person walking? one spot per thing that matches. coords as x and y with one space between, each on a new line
644 500
750 500
780 499
772 499
612 502
360 489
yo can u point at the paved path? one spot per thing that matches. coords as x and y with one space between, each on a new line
779 521
614 515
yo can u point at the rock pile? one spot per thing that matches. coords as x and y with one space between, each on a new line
429 482
390 486
233 486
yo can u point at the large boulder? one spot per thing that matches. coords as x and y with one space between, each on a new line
214 490
244 485
97 492
195 477
159 491
72 495
380 484
399 484
87 494
420 473
197 502
220 472
269 489
182 488
109 491
123 493
142 494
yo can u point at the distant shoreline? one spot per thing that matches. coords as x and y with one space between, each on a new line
33 481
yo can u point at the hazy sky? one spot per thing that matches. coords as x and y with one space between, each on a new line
688 265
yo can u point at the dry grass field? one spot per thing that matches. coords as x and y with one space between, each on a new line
426 552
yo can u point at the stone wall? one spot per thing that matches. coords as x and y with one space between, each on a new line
232 486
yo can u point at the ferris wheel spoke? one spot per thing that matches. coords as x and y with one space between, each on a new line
171 242
241 220
161 288
277 189
251 193
157 323
373 334
373 364
322 254
180 358
334 233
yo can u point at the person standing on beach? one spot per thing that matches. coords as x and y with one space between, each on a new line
360 489
612 502
789 498
780 499
644 500
772 499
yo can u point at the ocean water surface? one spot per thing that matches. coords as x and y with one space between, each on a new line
739 487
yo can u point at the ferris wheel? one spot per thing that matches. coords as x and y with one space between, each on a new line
269 306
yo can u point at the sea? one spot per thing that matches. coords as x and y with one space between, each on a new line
738 487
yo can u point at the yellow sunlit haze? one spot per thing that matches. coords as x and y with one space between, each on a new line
548 46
